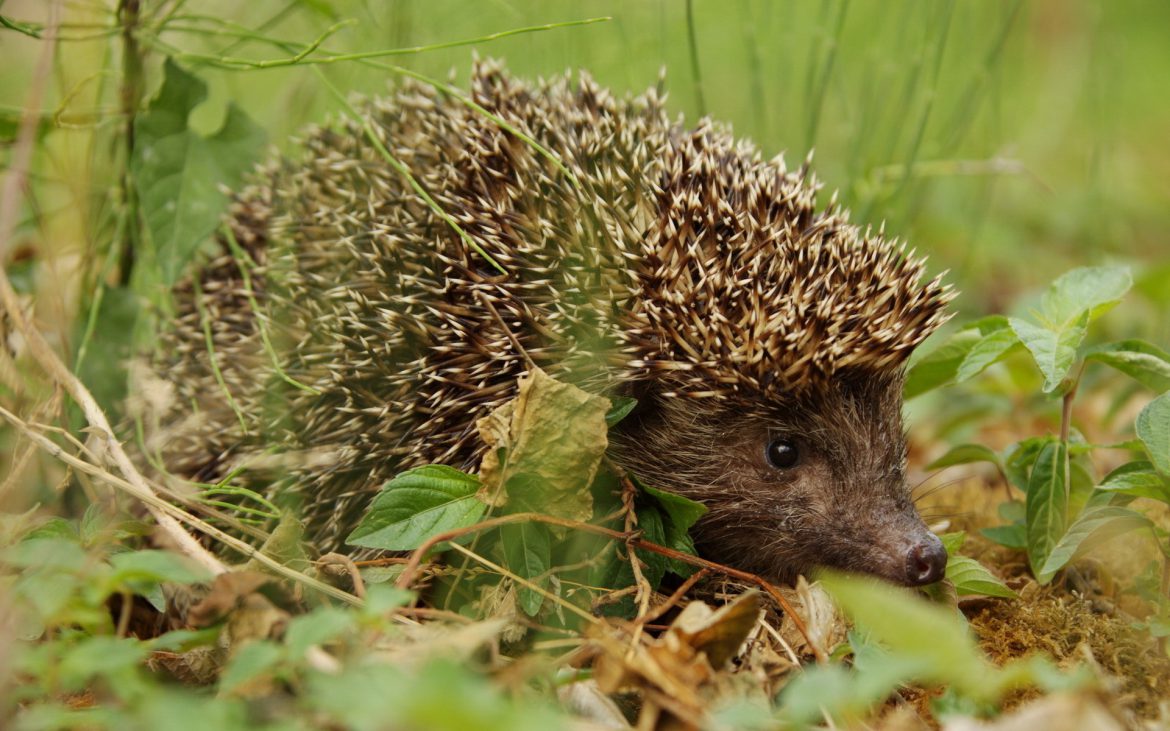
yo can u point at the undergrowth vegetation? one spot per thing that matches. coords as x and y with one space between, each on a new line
551 590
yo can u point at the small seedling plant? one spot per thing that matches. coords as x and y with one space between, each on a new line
1066 511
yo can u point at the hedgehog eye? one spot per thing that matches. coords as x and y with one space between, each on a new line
782 454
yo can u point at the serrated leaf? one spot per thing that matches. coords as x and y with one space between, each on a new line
988 350
966 454
1046 505
178 173
1089 291
1146 363
1095 526
652 523
1054 351
416 505
971 577
528 549
1137 479
1153 428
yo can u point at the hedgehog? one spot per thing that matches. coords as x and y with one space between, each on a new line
362 316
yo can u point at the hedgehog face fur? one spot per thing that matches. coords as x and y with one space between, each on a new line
673 265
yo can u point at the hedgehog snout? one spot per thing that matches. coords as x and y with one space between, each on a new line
926 561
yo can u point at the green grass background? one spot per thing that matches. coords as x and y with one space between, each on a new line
1008 140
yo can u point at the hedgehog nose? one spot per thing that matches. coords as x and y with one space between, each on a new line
926 562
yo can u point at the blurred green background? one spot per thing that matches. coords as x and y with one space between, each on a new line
1008 140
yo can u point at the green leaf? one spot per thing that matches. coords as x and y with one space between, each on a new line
1008 536
416 505
966 454
528 549
1018 459
653 526
1088 290
249 662
318 627
620 408
1137 479
1046 505
100 656
911 627
988 350
178 172
1147 364
940 365
971 577
1053 350
1153 428
1094 526
682 510
156 566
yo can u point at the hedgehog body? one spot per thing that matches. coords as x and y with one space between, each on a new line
361 330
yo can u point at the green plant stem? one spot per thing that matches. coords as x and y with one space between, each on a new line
131 97
696 72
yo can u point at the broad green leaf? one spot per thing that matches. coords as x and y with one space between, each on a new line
1095 526
971 577
1088 290
528 549
1138 479
178 173
1153 428
911 627
553 433
1018 459
1014 535
416 505
966 454
1047 505
990 349
1053 350
157 566
939 365
621 408
1147 364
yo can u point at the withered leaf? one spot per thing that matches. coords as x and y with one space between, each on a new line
547 442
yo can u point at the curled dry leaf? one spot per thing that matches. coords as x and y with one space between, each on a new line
678 664
552 436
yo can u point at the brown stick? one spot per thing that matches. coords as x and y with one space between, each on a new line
40 349
408 573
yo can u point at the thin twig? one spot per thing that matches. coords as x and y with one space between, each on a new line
406 579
